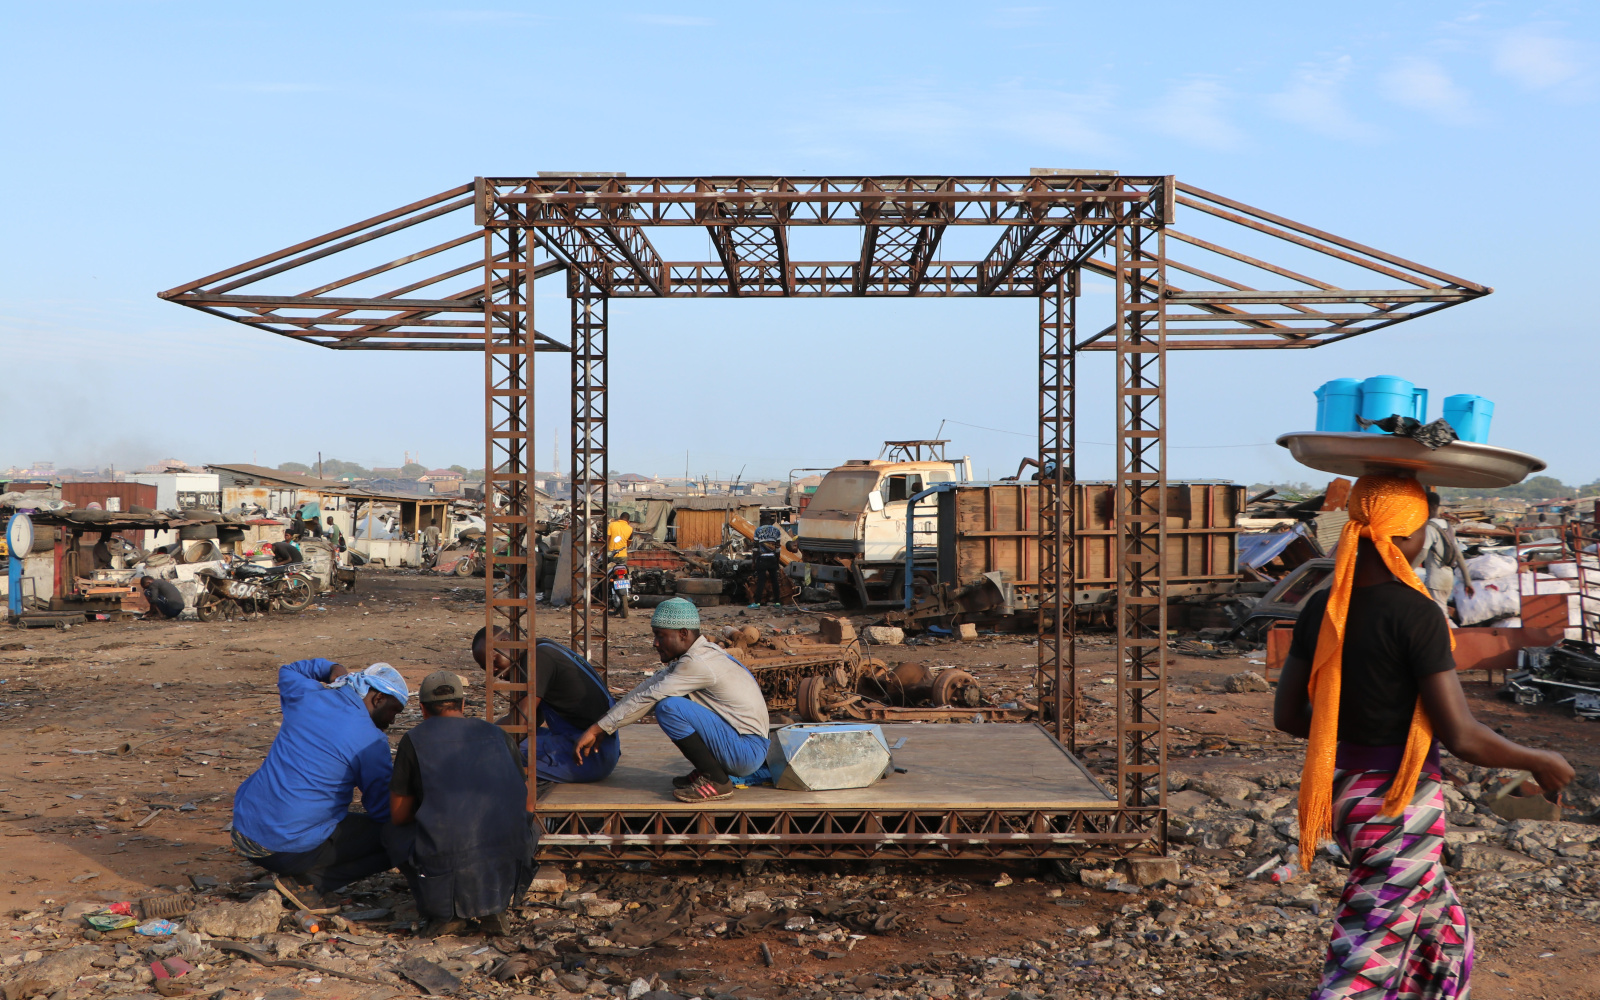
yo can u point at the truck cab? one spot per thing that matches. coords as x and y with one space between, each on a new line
852 534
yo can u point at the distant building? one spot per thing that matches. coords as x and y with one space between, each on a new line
267 488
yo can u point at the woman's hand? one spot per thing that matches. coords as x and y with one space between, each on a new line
1552 774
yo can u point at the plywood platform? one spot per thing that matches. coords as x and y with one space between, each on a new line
991 766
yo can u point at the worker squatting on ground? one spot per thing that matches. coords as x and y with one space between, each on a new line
568 697
292 816
458 829
166 600
1371 680
707 702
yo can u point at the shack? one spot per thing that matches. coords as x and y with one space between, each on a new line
269 489
687 521
387 541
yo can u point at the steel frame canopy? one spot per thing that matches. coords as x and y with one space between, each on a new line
1050 229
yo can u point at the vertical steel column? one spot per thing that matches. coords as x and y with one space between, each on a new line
1141 514
1056 678
590 470
509 504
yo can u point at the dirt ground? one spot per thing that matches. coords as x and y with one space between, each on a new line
84 817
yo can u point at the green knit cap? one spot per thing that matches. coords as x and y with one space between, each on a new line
675 612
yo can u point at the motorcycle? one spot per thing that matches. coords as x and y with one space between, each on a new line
246 587
615 588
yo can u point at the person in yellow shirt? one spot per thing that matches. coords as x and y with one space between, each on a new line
618 533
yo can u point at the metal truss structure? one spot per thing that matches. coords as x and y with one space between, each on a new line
1243 281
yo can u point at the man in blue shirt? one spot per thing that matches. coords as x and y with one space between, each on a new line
293 815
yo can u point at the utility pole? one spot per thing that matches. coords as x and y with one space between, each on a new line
319 465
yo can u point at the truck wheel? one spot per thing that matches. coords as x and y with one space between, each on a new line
808 699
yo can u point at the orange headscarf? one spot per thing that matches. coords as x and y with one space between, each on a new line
1381 509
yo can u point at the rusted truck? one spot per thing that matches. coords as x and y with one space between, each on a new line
975 545
852 534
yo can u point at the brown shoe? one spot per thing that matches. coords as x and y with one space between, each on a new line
494 924
685 780
704 790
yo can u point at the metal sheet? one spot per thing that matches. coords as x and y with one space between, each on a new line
1460 463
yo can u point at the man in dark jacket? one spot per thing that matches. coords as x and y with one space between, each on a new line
459 830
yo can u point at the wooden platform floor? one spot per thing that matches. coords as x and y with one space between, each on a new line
948 766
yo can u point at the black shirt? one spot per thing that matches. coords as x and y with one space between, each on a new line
567 689
285 552
1393 636
407 777
165 597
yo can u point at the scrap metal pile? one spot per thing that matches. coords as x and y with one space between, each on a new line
827 675
1568 673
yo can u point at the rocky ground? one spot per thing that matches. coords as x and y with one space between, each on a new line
121 745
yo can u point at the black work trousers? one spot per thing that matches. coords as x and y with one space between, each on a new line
352 851
766 568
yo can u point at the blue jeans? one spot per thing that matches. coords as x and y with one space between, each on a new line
739 753
557 756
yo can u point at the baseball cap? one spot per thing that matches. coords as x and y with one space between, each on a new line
442 685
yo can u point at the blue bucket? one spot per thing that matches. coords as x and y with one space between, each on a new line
1338 402
1470 416
1385 396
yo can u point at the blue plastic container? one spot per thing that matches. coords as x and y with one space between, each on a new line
1385 396
1338 402
1470 416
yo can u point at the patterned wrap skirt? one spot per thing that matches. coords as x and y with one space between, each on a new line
1400 933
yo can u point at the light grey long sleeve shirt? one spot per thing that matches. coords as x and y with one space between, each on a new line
705 674
1440 556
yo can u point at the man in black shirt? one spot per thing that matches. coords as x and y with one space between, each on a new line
166 601
567 698
285 552
458 828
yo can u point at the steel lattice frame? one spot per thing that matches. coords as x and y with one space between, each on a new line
1053 227
590 471
1056 676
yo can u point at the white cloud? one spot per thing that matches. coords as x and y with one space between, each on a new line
1536 60
1195 111
1314 100
1425 85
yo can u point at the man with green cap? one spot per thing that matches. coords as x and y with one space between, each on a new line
707 702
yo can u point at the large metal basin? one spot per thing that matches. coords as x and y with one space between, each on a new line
1461 463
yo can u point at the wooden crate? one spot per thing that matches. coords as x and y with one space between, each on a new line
700 527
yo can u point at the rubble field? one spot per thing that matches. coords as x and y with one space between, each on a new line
121 746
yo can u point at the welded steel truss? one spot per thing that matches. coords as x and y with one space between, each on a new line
1243 282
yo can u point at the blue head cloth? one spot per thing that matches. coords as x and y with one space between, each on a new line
676 612
378 677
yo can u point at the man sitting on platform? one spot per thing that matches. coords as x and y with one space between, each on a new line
707 702
567 698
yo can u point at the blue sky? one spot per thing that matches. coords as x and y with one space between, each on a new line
151 143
